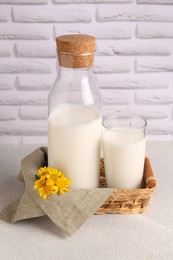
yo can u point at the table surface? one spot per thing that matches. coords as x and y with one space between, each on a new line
140 236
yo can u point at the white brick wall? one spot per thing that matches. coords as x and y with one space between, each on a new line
133 63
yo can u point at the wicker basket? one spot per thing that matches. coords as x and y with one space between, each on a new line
129 201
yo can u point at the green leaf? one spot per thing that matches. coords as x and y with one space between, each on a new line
37 177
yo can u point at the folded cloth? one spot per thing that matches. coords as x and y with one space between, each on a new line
68 211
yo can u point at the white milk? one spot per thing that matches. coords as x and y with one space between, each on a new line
74 134
124 153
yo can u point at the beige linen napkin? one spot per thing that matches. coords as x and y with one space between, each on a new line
68 211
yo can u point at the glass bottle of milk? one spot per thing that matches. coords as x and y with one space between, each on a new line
74 121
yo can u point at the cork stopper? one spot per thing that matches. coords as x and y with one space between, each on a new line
75 50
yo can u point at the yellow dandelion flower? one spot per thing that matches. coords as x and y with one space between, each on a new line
50 181
62 184
39 183
54 189
44 191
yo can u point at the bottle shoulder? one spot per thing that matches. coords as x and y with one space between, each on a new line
81 89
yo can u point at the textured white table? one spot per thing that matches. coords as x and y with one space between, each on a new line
112 237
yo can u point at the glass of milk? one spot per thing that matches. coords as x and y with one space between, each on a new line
124 142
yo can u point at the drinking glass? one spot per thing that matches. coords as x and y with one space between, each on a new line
124 143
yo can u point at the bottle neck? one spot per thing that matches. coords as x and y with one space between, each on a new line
74 73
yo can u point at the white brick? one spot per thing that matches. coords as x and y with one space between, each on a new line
149 112
8 113
24 32
156 130
23 98
135 13
154 30
133 81
41 140
5 140
33 82
92 1
34 113
4 13
159 127
158 138
111 65
133 47
52 14
98 30
155 2
5 49
7 82
36 49
23 128
155 97
154 65
113 97
23 2
24 66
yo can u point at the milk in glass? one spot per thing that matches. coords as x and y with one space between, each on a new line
124 153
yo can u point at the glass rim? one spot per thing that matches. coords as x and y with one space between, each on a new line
125 116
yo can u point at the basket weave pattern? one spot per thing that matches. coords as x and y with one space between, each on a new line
128 201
